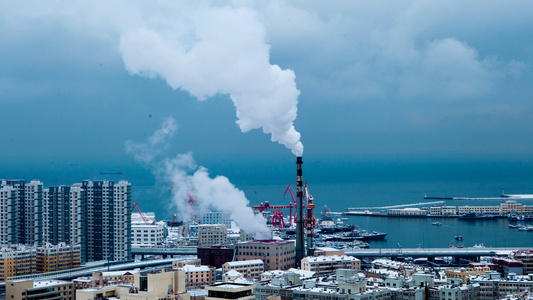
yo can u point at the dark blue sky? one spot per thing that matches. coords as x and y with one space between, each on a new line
409 77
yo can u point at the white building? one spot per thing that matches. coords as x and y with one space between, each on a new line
216 217
143 235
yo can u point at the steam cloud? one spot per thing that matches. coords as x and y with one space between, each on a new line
189 180
208 50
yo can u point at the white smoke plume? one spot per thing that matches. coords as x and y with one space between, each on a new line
204 47
207 50
189 180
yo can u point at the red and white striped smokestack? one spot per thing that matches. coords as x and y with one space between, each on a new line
300 239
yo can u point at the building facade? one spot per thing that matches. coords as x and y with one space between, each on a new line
25 206
29 289
248 268
329 264
212 234
62 214
198 276
215 255
17 260
106 221
50 258
216 217
276 254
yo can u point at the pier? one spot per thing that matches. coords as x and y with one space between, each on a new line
467 252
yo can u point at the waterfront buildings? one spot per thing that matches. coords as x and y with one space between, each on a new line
276 254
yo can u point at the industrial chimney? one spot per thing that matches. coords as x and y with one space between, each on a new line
300 246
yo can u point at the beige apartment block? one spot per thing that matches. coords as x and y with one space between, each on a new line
249 268
146 286
198 276
49 289
276 254
17 260
328 264
212 234
59 257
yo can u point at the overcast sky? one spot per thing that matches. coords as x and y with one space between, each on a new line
408 77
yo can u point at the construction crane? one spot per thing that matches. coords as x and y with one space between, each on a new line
267 205
146 221
277 218
310 221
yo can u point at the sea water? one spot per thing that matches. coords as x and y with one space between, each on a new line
340 182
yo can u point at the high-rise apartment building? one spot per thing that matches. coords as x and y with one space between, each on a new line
8 217
106 221
24 205
62 214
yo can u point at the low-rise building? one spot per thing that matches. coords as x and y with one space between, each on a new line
198 276
181 262
215 255
59 257
463 273
17 260
328 264
49 289
101 279
249 268
493 286
407 212
147 286
327 251
228 290
526 257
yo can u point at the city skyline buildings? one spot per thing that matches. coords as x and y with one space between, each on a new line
93 214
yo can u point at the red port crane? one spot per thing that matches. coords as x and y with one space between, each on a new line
146 221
